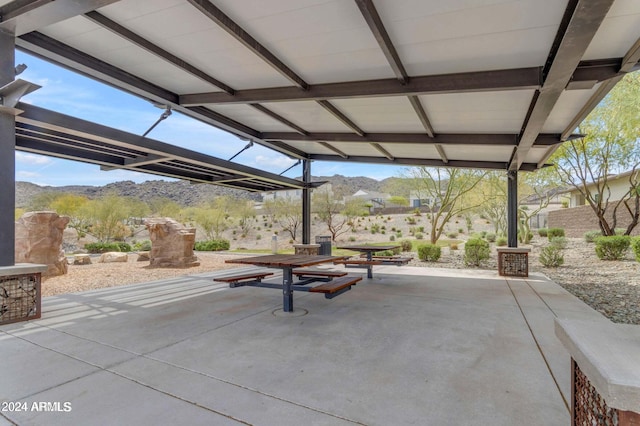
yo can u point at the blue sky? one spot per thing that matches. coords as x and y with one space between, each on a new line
72 94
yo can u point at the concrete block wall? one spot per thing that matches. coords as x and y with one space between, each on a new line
578 220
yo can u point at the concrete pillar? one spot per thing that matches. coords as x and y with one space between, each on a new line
306 203
512 208
7 157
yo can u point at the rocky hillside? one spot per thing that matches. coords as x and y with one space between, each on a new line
183 193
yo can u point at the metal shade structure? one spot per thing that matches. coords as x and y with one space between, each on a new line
441 83
49 133
491 84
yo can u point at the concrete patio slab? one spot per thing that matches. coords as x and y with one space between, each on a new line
409 346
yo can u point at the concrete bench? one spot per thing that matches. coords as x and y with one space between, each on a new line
336 287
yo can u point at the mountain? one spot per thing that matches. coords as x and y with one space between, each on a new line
182 192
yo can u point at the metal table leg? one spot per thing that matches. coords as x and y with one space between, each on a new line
287 291
369 266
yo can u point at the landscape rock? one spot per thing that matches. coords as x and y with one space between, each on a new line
39 240
82 259
144 256
113 256
171 243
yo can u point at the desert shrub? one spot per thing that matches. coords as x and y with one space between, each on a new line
476 251
399 234
106 247
144 245
258 237
613 247
212 245
392 238
635 245
490 236
429 252
551 256
411 220
555 232
352 239
483 234
525 238
590 236
406 245
460 230
375 228
542 232
559 242
452 235
501 241
453 246
419 236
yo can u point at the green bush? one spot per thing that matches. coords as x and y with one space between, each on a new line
555 232
452 235
429 252
419 236
106 247
590 236
501 241
392 238
542 232
490 236
212 245
528 239
551 256
635 244
406 245
559 242
142 245
613 247
476 251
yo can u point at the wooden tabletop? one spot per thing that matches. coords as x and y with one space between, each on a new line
285 260
370 247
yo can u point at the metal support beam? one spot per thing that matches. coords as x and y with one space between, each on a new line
306 202
7 157
512 208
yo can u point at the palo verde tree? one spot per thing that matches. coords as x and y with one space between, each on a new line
534 194
494 205
610 147
449 191
107 216
336 214
286 212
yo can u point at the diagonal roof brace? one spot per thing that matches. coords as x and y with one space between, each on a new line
11 93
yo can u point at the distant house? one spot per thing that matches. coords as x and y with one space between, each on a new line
291 194
376 199
416 200
580 217
618 186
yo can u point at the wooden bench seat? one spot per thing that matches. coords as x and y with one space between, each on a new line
335 287
318 273
235 279
358 262
397 260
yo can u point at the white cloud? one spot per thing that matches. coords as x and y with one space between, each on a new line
32 159
24 175
273 161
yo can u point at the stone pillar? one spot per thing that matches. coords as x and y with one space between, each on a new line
7 156
38 239
171 244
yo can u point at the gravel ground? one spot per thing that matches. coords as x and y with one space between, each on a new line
610 287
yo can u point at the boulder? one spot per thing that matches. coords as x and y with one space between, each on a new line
143 256
113 256
171 244
82 259
39 240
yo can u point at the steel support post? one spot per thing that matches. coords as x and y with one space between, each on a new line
287 290
306 202
7 157
512 208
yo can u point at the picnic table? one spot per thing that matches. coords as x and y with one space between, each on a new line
371 260
288 264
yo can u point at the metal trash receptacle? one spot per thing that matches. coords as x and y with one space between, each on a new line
325 244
